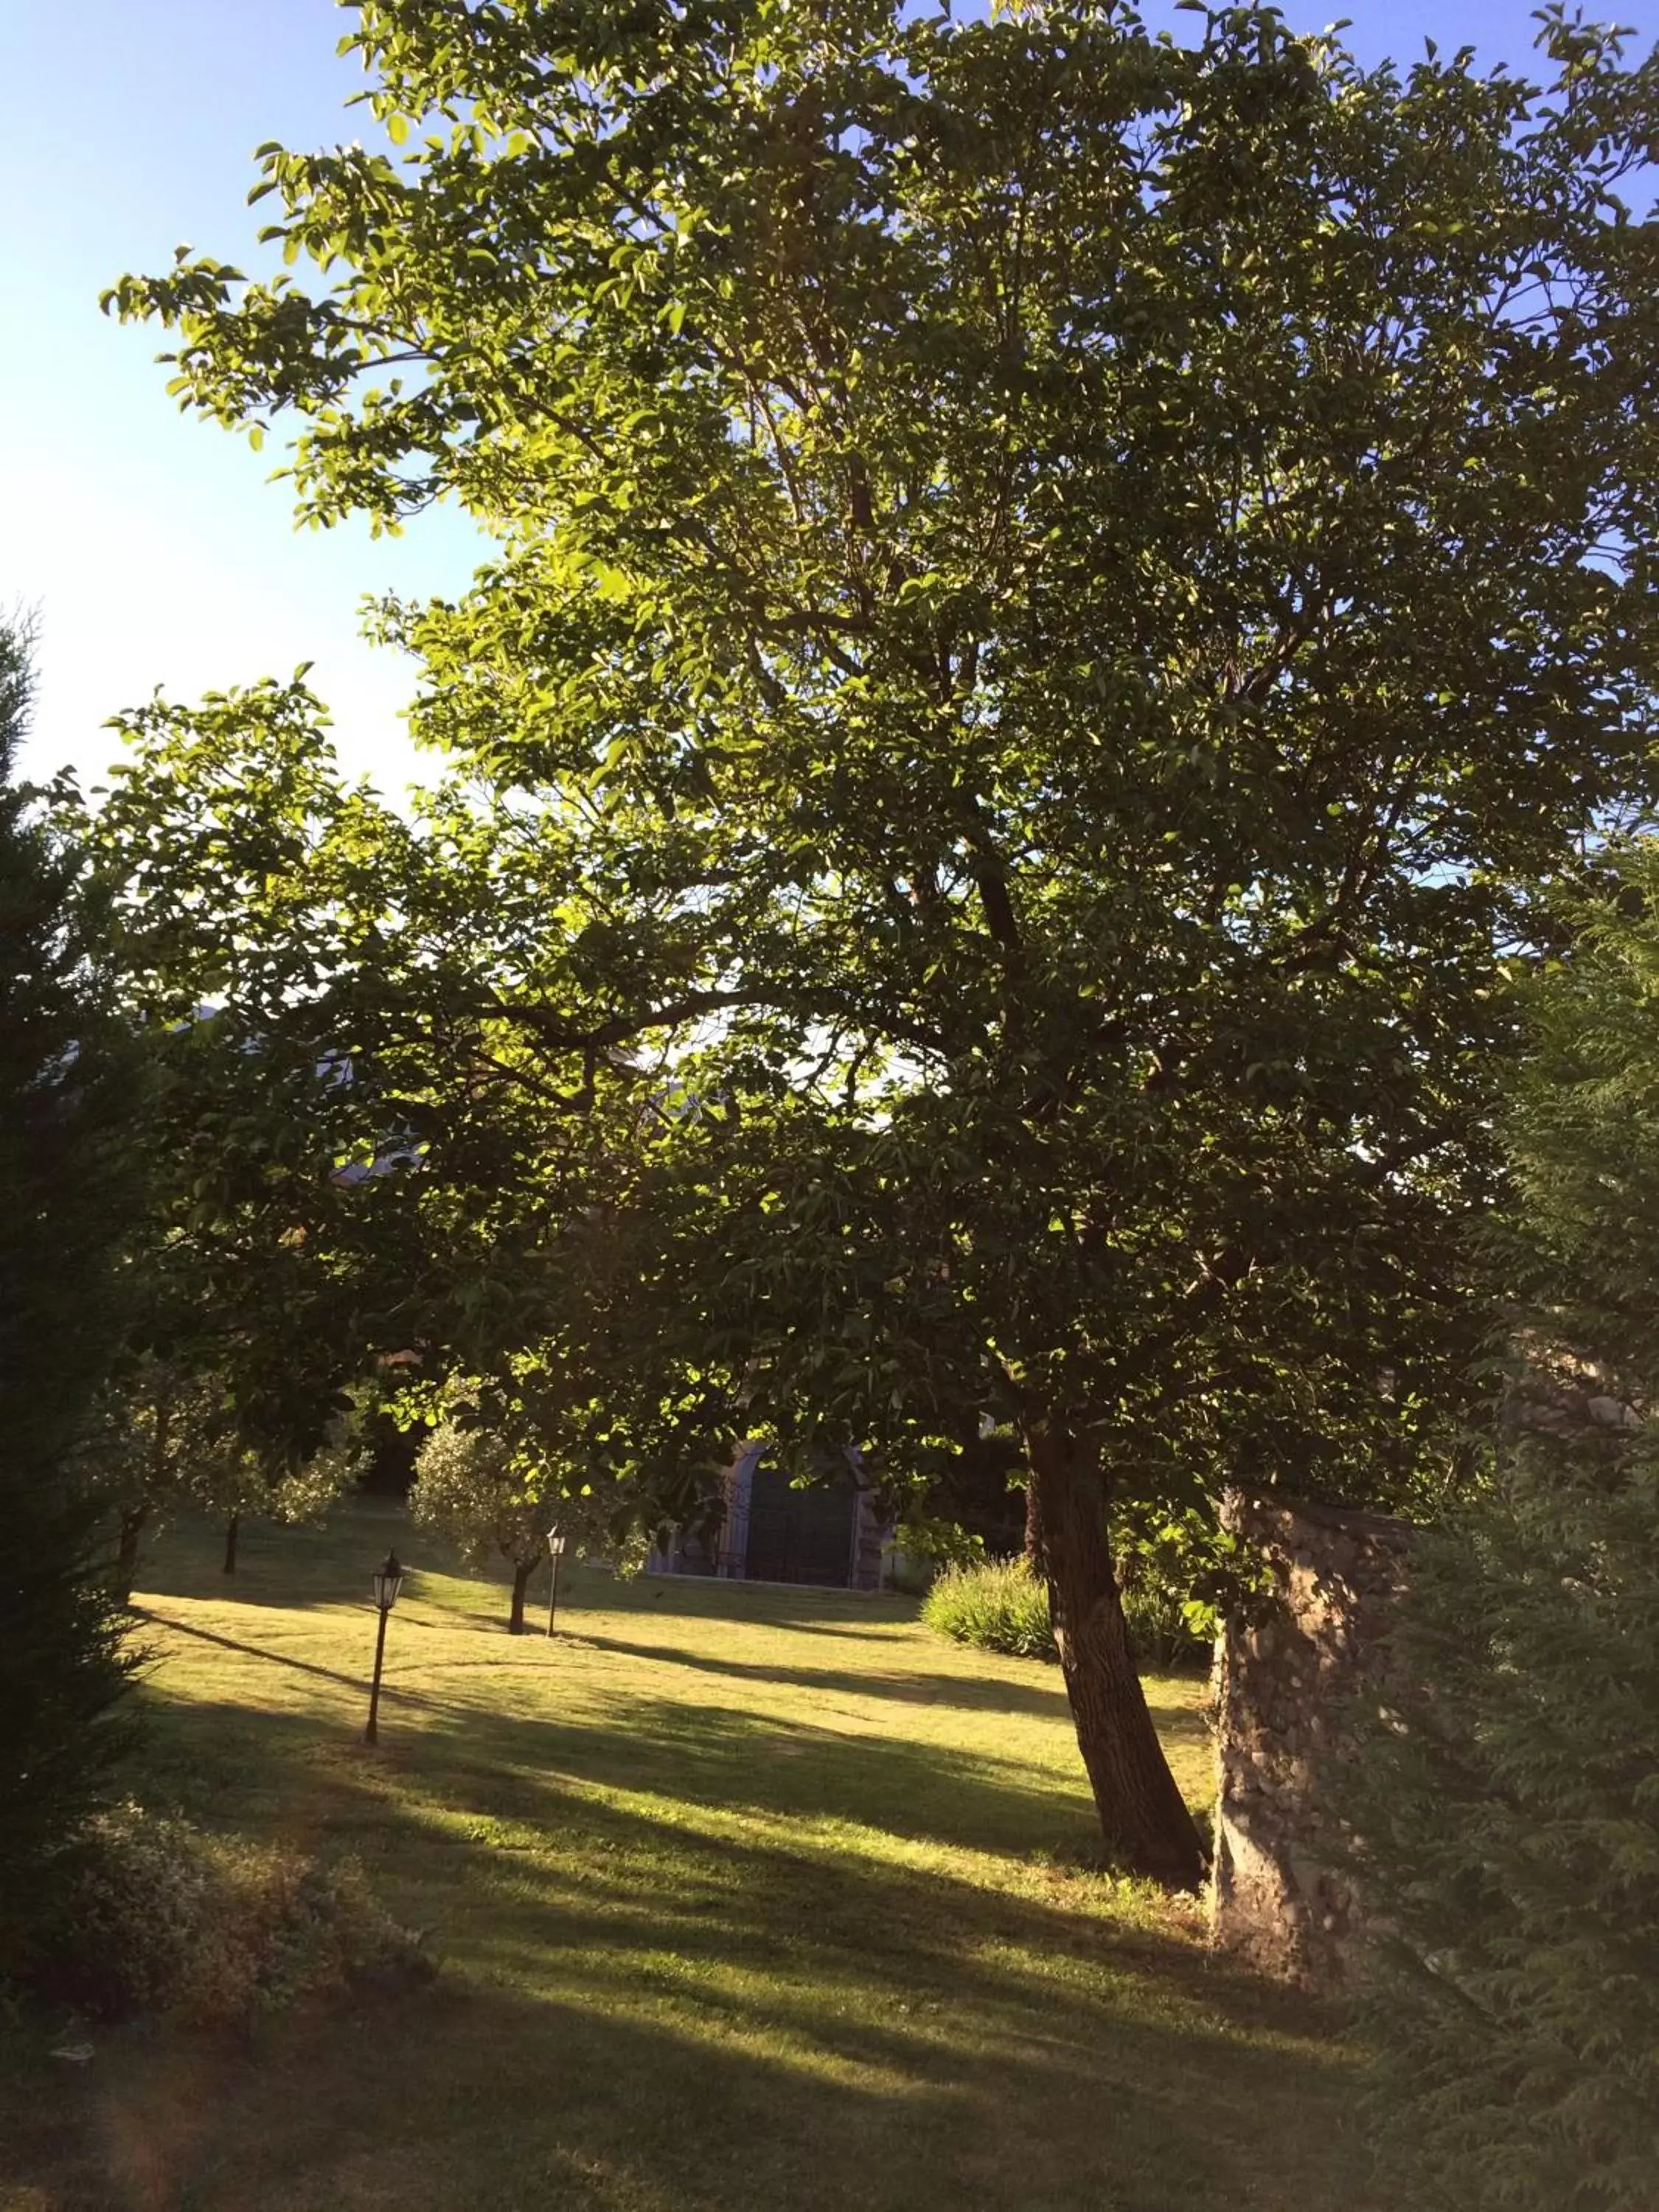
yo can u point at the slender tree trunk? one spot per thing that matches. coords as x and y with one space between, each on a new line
521 1582
1033 1552
1142 1813
233 1529
158 1468
126 1552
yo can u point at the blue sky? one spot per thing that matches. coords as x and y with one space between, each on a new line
152 545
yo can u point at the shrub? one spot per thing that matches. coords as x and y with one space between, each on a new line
1161 1621
998 1605
924 1544
1178 1573
156 1917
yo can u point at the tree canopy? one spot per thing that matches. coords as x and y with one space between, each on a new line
1052 585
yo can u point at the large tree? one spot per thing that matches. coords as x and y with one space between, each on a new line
1051 582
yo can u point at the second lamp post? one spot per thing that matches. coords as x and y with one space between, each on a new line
555 1552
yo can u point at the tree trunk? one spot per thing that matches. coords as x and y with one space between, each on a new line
1143 1814
126 1552
232 1527
521 1582
1033 1550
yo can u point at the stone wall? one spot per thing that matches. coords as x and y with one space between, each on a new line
1284 1679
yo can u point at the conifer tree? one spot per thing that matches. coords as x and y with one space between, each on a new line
63 1174
1510 1806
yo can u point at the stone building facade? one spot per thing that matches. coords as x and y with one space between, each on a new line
830 1534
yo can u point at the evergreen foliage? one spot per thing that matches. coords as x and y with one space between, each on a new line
63 1186
1510 1804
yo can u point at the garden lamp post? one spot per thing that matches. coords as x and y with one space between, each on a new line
555 1552
385 1582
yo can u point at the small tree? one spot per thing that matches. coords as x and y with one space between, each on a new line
470 1487
250 1485
494 1497
1510 1802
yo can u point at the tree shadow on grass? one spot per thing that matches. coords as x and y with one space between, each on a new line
209 1753
392 1694
473 2097
718 1756
299 1567
983 1694
805 1609
639 2015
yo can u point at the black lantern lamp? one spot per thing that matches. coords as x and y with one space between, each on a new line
555 1552
385 1581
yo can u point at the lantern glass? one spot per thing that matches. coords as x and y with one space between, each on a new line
387 1580
556 1543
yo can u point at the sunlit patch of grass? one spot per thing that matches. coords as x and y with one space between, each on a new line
748 1898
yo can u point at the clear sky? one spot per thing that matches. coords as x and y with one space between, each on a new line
152 545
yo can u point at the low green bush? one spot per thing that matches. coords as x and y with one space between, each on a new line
924 1545
1171 1577
999 1605
1161 1628
155 1918
995 1604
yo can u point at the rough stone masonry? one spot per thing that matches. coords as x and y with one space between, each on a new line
1286 1681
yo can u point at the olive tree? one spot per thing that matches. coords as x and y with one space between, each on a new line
497 1501
162 1438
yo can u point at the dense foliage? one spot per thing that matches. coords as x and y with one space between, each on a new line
1000 1605
1509 1806
497 1496
64 1195
1051 584
995 1604
156 1918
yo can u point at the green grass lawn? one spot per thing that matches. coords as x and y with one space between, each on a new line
746 1897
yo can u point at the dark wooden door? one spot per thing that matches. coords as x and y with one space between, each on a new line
800 1535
